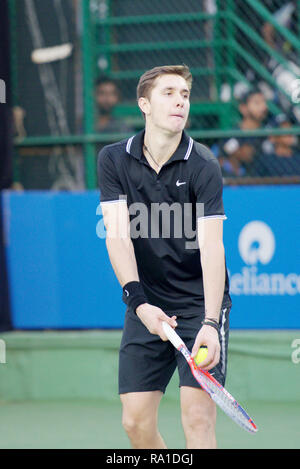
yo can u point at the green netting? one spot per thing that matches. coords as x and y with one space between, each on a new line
231 46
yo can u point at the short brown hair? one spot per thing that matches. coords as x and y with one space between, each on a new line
146 82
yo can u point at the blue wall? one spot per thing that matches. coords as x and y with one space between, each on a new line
60 275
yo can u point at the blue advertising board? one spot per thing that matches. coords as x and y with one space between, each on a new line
60 274
261 237
61 277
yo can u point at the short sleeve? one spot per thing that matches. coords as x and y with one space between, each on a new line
208 190
109 183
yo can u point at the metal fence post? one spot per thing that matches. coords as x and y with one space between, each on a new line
87 48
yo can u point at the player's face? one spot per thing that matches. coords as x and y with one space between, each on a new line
169 103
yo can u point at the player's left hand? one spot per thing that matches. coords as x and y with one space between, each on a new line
208 336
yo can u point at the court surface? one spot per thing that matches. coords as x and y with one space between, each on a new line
97 424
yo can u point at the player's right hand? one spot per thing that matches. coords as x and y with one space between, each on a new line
152 317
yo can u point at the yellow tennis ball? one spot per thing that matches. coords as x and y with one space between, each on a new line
201 355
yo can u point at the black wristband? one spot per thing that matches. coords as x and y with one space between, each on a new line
133 295
212 320
212 323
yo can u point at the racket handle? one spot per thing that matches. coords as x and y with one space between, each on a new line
172 335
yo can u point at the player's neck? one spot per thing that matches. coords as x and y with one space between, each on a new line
161 145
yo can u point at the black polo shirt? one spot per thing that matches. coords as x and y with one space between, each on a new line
163 213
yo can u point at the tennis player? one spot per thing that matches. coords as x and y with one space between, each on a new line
150 185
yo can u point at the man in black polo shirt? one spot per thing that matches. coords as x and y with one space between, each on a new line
166 191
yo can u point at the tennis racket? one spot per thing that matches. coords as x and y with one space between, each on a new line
216 391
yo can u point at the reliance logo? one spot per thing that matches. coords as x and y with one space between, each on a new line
256 243
257 247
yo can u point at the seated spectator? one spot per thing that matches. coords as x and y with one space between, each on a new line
285 14
237 154
285 74
284 157
107 97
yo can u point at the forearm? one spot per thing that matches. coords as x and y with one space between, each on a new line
122 258
213 269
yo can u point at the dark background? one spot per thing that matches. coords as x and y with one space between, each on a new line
5 159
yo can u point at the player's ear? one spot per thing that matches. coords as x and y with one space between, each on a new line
144 105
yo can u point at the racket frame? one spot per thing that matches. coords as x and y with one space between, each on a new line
199 375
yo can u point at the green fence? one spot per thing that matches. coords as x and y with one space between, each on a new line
231 46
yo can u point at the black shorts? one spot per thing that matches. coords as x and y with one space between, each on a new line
146 363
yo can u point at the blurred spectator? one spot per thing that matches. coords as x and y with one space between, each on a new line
284 157
285 14
285 75
236 155
107 97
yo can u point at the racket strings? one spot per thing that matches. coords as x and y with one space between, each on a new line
227 403
217 392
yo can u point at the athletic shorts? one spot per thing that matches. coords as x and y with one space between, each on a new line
146 363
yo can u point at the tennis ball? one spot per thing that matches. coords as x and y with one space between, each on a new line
201 355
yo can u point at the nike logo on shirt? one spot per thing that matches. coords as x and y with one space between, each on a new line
179 183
